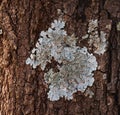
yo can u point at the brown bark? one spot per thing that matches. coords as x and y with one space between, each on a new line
22 89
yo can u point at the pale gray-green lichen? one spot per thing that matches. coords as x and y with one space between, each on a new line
77 64
1 31
118 26
96 38
89 93
74 75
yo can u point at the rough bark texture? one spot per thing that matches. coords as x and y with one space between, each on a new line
22 89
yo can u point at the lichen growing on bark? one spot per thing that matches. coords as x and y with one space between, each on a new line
96 38
118 26
73 76
1 31
89 93
76 65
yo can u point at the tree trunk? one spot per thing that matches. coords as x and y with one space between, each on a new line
23 90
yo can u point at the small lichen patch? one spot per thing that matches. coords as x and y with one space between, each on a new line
118 26
104 76
1 32
89 93
108 26
101 44
85 37
75 64
96 38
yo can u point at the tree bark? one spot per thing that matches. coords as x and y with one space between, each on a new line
22 89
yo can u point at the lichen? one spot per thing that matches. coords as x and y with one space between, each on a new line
74 75
1 31
75 64
89 93
118 26
96 38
